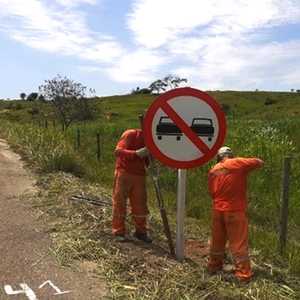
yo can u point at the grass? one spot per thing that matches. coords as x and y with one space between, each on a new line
81 231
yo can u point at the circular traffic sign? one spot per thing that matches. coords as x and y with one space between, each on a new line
184 128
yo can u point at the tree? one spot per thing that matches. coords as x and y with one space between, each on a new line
173 81
158 86
68 99
41 98
170 81
23 96
135 91
33 111
32 96
140 91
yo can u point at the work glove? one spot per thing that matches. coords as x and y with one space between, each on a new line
142 152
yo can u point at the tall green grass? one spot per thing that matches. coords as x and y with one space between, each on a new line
270 139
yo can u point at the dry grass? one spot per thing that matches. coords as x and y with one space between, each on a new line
81 231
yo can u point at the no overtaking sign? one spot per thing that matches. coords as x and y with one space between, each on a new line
184 128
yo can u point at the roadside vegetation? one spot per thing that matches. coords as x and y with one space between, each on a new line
259 124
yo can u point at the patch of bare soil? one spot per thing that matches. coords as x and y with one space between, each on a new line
197 251
155 254
147 260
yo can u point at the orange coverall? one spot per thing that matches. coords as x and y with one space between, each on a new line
227 182
130 183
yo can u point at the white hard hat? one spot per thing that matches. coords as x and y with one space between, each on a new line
224 150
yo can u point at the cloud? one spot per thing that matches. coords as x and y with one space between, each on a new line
244 67
106 51
65 32
213 43
155 23
56 30
89 69
43 28
138 66
74 3
218 44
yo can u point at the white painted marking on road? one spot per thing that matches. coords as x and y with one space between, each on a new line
58 291
25 290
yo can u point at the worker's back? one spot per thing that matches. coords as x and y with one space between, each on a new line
228 182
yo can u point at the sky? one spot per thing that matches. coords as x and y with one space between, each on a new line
115 46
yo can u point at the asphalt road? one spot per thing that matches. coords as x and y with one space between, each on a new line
27 268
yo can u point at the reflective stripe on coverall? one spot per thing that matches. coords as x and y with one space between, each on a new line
234 226
133 187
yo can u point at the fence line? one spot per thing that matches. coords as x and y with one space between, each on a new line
78 137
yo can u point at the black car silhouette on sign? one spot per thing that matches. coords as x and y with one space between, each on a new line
201 126
167 127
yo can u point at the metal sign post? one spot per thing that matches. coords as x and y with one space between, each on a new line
181 193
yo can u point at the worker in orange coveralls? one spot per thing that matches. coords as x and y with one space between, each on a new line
130 183
227 182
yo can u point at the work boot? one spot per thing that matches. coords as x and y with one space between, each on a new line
213 271
244 280
143 237
120 238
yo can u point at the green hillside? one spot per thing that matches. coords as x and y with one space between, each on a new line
259 124
238 104
250 105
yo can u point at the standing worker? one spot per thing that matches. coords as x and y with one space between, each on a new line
130 183
227 182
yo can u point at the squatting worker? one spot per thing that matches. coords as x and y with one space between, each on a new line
130 183
227 182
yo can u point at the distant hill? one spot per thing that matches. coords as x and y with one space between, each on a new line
245 104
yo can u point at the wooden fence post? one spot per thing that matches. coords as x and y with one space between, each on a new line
285 200
78 138
98 145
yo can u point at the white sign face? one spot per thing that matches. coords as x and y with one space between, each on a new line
174 143
184 128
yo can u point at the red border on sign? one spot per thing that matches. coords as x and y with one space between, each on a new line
162 103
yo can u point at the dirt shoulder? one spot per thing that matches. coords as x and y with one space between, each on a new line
27 265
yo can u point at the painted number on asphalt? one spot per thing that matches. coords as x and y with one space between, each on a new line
29 292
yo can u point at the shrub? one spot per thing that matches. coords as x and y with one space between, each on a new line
270 101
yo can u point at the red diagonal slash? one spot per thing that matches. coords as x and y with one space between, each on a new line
192 136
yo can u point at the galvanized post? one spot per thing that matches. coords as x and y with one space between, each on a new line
181 194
